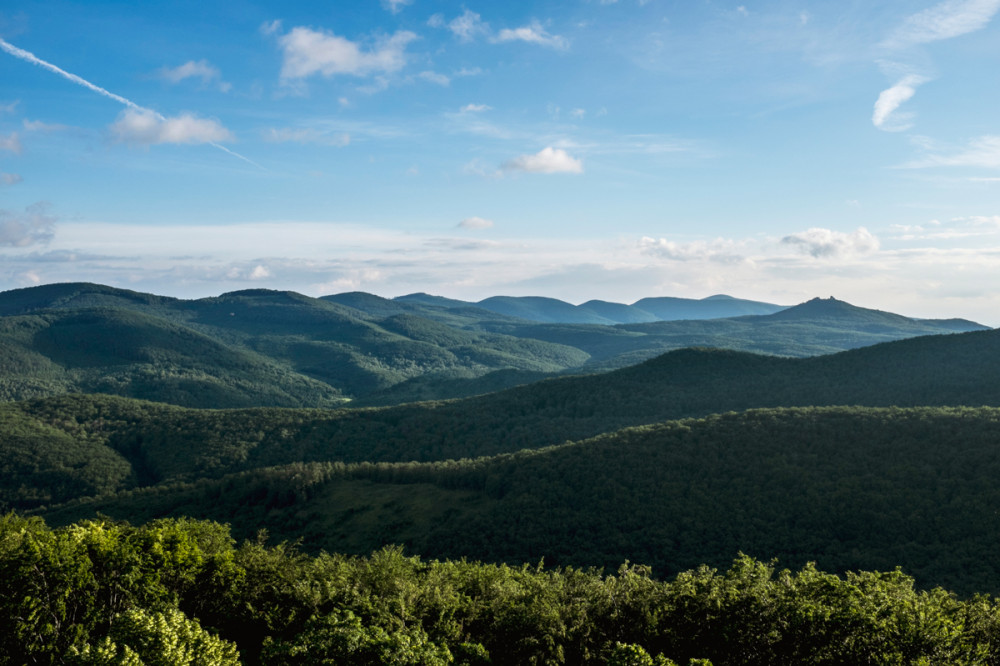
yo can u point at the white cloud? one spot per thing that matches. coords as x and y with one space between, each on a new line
308 52
578 113
884 116
475 223
395 6
39 126
307 136
475 108
478 167
434 77
259 272
35 225
826 243
8 107
533 33
30 278
547 160
944 20
270 27
719 250
983 152
146 128
201 69
8 179
10 142
467 26
991 222
955 228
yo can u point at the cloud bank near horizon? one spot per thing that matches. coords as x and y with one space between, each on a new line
323 258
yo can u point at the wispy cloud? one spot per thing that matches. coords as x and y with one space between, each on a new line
829 244
11 142
309 52
8 179
533 33
39 126
8 107
146 128
944 20
268 28
32 227
475 108
547 160
982 152
466 27
307 136
720 250
395 6
955 228
200 69
475 223
470 25
434 77
30 57
884 115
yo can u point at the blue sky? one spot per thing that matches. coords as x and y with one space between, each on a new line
576 149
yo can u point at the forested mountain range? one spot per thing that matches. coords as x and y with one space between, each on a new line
161 442
258 466
268 348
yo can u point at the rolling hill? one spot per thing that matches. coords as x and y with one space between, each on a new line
278 340
165 444
848 488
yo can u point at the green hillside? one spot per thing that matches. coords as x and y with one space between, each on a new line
179 444
263 347
254 347
126 352
848 488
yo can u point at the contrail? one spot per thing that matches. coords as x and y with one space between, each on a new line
35 60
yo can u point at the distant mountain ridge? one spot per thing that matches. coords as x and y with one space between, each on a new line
555 311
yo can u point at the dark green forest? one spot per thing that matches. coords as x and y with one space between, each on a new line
847 488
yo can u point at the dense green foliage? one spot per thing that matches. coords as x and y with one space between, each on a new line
849 488
182 592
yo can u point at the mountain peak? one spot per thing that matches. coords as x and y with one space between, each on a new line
832 308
